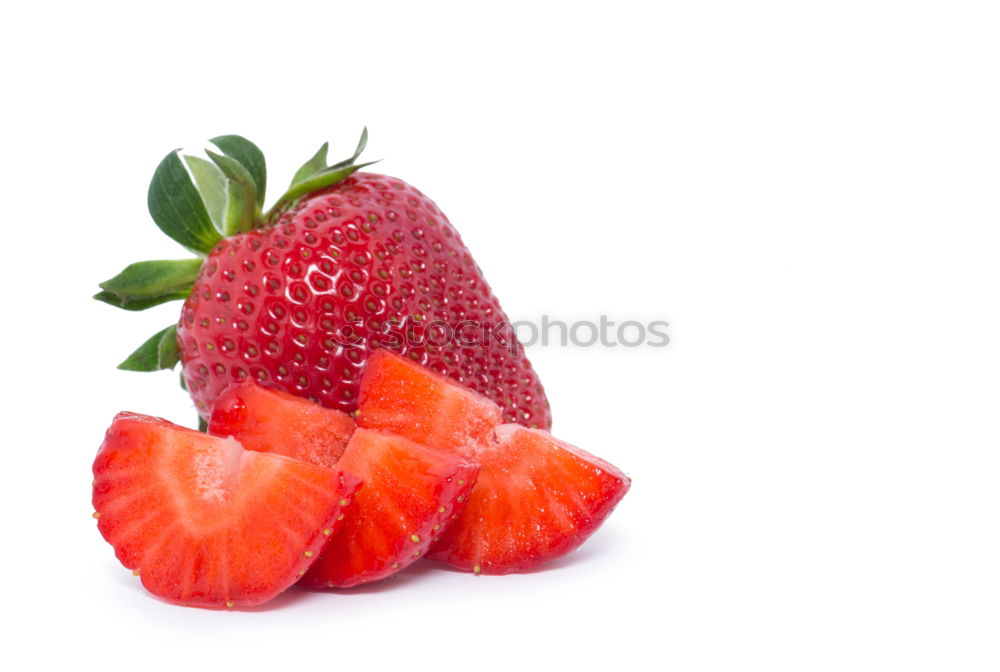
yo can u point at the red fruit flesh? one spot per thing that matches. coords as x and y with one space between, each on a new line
411 493
204 522
398 395
272 421
369 263
536 498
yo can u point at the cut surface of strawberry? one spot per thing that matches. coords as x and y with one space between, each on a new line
536 498
400 396
204 522
273 421
410 495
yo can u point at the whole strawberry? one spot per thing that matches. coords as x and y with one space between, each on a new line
298 297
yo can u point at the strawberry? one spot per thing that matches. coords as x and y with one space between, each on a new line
411 492
273 421
205 523
536 497
299 297
400 396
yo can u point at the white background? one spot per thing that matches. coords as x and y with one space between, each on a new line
806 191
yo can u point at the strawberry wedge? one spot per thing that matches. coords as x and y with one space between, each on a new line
206 523
273 421
536 497
411 493
399 396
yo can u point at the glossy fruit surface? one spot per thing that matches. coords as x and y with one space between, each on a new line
370 262
273 421
204 522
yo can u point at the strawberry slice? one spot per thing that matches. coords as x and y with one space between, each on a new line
411 493
400 396
206 523
273 421
536 498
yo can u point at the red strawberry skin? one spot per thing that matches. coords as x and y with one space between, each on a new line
410 496
273 421
302 304
205 523
537 498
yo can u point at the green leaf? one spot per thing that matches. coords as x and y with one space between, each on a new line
326 178
149 279
149 283
202 425
139 304
241 195
177 207
167 352
312 166
250 156
362 143
211 185
312 176
147 356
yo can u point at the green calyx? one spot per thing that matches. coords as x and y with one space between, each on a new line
150 283
158 352
197 202
315 175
